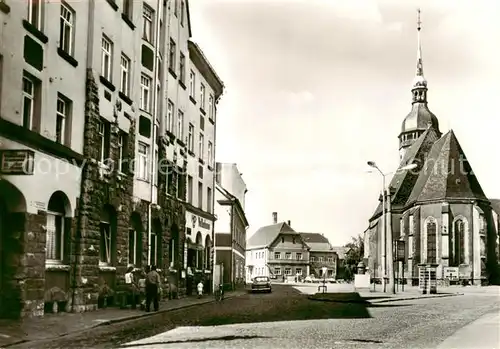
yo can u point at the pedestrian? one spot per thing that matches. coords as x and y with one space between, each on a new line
200 288
142 286
131 288
152 285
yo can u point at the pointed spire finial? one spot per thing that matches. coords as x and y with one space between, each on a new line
419 74
418 20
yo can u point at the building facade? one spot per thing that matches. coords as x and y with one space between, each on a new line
277 251
321 255
114 165
231 224
438 209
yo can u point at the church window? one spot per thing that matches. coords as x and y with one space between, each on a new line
459 242
431 242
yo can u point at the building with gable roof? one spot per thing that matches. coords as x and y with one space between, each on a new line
438 208
321 255
276 251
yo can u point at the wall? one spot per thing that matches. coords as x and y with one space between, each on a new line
231 179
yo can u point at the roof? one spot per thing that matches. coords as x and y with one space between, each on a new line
264 236
403 181
316 242
203 64
230 200
340 251
188 13
419 118
447 174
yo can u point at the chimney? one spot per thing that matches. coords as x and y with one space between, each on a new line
289 223
275 217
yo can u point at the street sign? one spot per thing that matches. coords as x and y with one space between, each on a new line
451 273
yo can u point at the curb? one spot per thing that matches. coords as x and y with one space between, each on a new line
385 300
118 320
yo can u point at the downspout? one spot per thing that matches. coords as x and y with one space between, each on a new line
153 138
232 243
79 220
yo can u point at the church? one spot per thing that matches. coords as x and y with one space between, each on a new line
437 208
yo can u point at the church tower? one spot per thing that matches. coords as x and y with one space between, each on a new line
420 117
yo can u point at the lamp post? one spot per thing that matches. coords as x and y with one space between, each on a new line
386 238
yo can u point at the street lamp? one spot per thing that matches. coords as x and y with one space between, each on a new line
384 228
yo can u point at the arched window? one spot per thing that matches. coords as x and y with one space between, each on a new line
208 246
135 240
431 241
108 236
459 242
56 228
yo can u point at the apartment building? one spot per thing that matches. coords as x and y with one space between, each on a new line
277 251
231 224
321 255
99 182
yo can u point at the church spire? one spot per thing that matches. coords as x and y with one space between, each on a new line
419 83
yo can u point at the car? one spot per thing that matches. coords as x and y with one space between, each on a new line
261 283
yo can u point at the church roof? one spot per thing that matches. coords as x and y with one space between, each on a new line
495 205
402 182
446 174
264 236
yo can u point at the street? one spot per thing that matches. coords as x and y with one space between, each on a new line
287 318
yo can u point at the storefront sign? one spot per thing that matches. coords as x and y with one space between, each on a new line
17 162
450 273
185 255
203 223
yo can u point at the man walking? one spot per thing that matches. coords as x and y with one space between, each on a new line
152 284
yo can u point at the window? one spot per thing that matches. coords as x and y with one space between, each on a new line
35 13
200 195
191 138
202 96
176 7
298 256
182 12
330 259
171 55
66 29
179 186
288 271
288 255
211 107
277 255
132 247
209 200
298 271
190 189
210 154
180 125
104 136
54 247
62 120
107 239
182 68
143 161
106 58
431 242
201 143
147 24
192 78
320 259
459 243
170 116
154 168
127 8
313 259
146 93
202 123
125 75
172 251
277 271
28 102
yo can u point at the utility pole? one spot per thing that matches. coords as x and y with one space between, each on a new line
390 248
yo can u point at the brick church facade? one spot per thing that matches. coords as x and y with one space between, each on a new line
437 208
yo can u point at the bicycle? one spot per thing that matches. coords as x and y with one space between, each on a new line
219 294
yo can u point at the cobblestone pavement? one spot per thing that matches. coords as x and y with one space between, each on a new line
416 323
54 326
276 320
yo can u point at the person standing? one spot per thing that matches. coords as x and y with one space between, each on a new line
131 288
152 285
200 288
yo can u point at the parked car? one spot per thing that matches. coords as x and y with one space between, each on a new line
261 283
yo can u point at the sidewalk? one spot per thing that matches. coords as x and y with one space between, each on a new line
483 333
57 325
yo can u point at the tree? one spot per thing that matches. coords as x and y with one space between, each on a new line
353 255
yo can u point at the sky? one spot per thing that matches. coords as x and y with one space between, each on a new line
316 88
